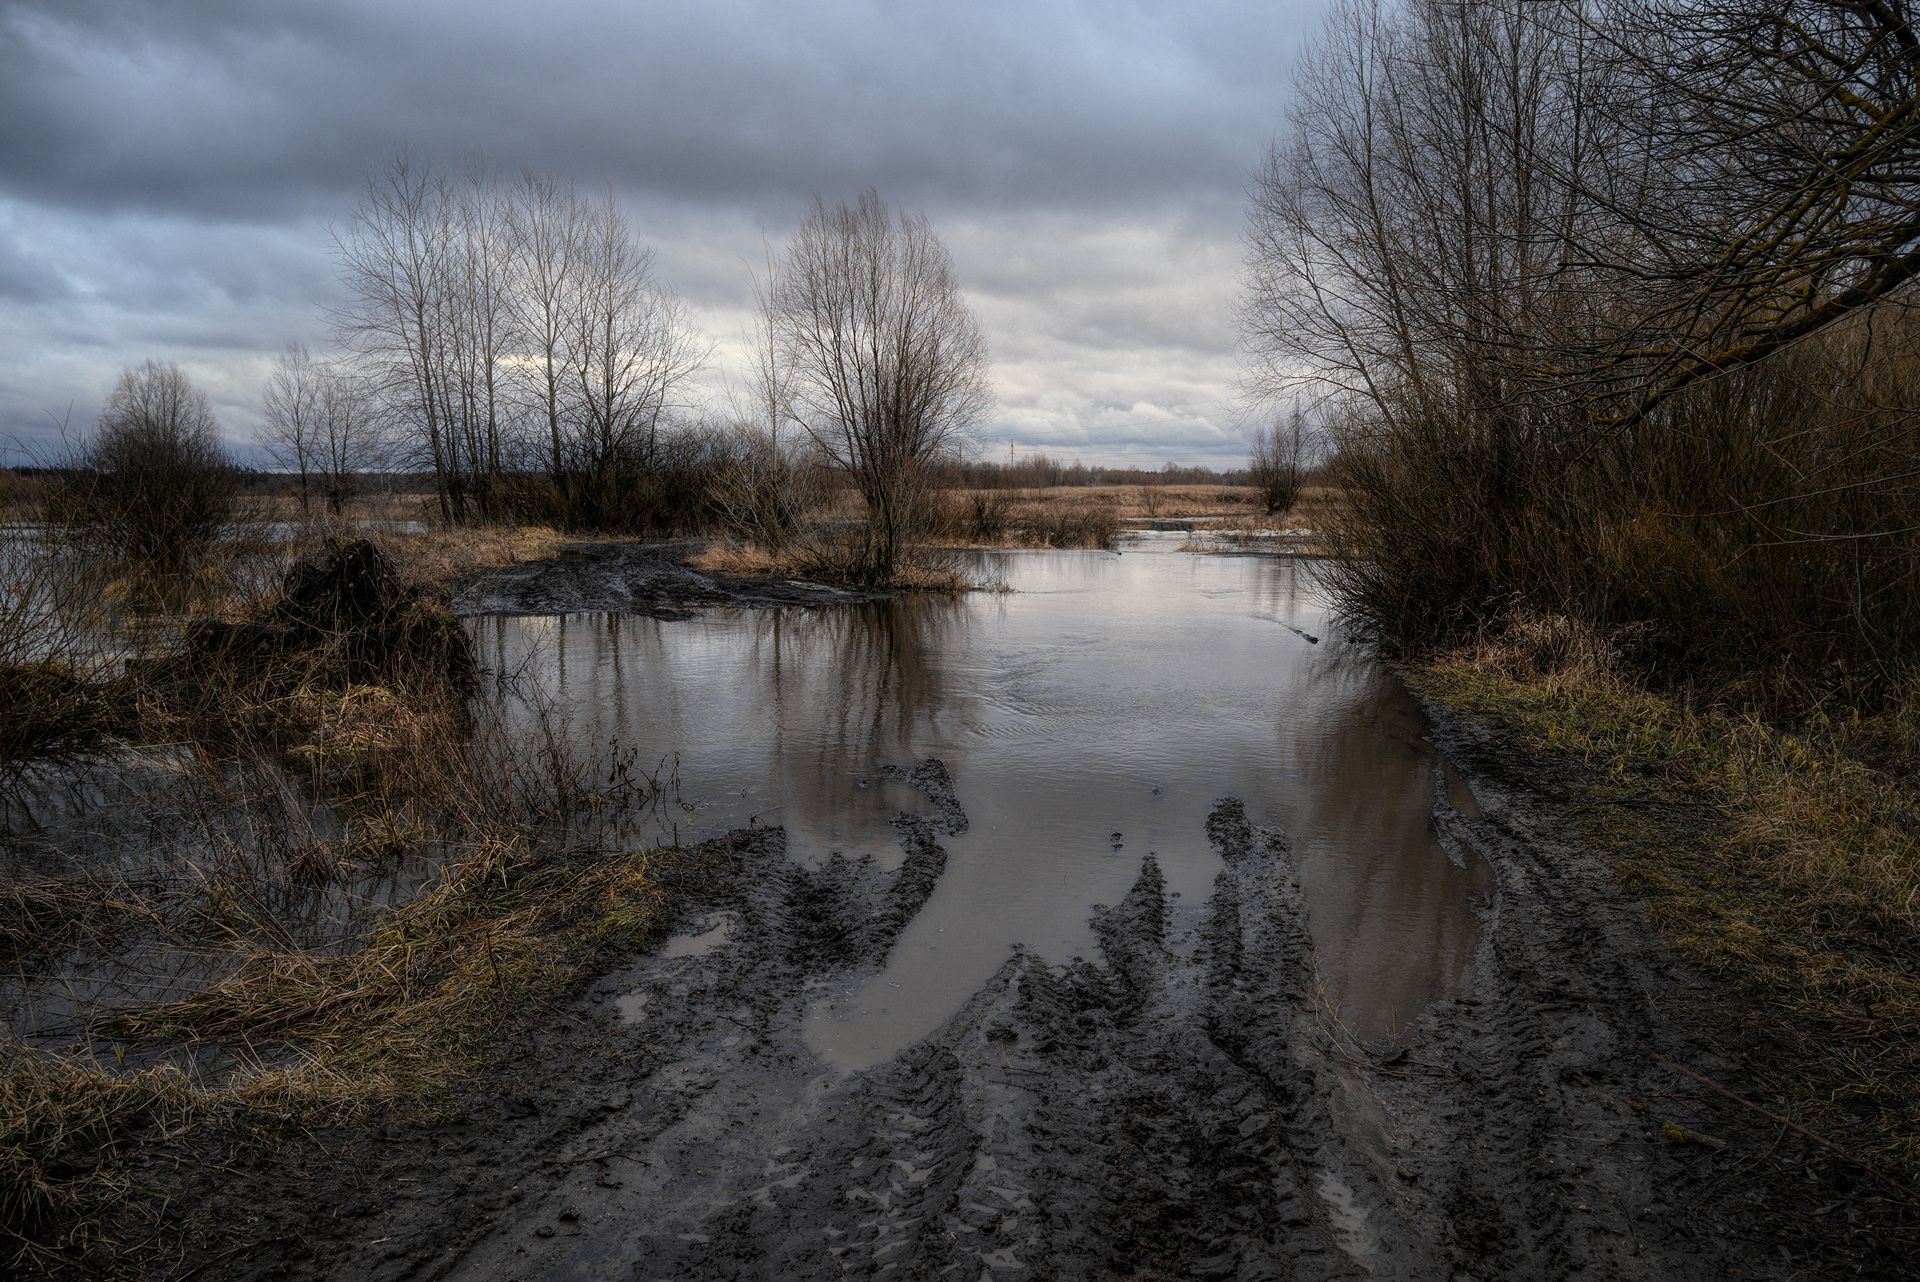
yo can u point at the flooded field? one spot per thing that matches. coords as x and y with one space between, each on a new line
1093 714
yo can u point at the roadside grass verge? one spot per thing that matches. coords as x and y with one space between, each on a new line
413 1007
1795 872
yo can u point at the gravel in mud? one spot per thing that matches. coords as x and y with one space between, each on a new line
1178 1106
651 579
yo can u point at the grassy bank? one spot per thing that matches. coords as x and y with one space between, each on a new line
90 1149
1785 863
441 557
817 562
349 877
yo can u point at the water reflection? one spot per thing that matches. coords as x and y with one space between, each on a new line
1107 694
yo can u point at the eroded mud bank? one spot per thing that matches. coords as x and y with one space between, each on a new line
1177 1105
650 579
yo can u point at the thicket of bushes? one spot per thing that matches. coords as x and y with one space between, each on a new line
1614 379
1744 536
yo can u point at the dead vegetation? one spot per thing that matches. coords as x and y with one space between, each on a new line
822 561
322 887
440 558
1080 516
1786 861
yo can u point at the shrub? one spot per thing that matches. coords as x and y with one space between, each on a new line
154 486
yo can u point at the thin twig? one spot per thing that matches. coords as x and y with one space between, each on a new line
1772 1116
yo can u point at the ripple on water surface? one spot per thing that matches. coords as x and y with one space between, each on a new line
1090 717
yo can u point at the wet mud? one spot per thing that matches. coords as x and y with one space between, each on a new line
1178 1103
648 579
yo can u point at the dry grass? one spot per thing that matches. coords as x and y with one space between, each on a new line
76 1140
416 1004
820 562
1074 515
1038 508
328 733
85 1149
1131 501
1799 879
1234 516
441 557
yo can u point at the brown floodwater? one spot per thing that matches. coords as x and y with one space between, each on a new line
1091 715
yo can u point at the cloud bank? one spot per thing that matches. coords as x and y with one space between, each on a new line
168 172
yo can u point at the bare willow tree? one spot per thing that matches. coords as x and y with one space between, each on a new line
502 326
477 321
1783 142
884 363
154 485
322 422
546 226
393 260
1547 264
1413 251
1282 453
770 478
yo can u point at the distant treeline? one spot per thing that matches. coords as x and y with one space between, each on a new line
1040 471
1034 473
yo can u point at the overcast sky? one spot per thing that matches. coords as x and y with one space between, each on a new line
168 169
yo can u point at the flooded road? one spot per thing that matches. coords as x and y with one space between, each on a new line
1090 716
1045 920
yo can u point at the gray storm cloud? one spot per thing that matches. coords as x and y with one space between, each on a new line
168 171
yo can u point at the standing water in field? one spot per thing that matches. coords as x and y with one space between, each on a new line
1092 715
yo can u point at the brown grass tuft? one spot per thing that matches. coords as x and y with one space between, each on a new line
820 561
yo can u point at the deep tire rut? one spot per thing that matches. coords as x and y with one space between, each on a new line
1180 1106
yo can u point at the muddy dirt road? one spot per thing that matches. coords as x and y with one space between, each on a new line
1176 1098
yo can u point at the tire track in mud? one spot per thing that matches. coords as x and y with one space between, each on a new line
1147 1114
1178 1106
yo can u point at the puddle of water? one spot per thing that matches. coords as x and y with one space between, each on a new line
1459 795
1091 716
1347 1217
703 941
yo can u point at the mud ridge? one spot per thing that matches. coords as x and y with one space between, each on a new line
650 579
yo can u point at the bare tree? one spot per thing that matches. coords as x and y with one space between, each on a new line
1282 451
1414 250
479 322
394 261
1783 137
1549 265
290 413
425 264
349 436
629 354
546 226
770 479
884 362
323 423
